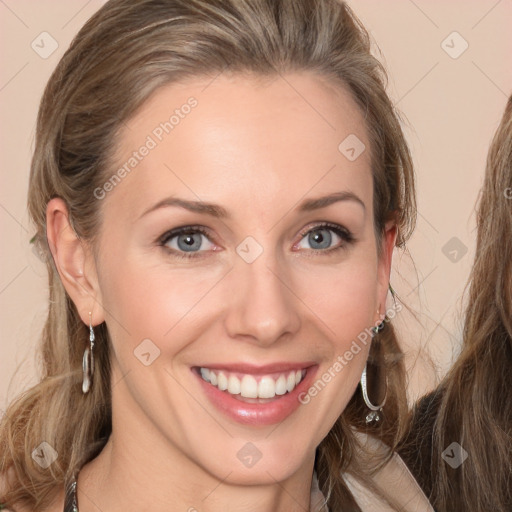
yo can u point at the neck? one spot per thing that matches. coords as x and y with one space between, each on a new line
114 481
140 468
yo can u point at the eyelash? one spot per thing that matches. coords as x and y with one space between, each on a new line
345 235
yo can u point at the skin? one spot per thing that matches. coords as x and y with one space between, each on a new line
257 149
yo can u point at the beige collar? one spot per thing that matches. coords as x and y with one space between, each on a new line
394 478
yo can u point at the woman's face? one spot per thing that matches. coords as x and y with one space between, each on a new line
241 241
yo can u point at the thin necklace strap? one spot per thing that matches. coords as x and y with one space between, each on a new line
71 502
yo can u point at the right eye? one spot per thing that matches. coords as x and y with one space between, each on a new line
186 242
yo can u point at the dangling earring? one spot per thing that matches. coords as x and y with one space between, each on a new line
88 360
373 415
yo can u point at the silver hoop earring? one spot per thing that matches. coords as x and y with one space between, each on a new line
373 415
88 360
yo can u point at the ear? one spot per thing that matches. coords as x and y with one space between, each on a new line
74 262
384 267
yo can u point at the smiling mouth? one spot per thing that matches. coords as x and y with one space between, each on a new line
253 388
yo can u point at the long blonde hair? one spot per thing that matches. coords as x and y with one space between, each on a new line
472 405
476 409
124 53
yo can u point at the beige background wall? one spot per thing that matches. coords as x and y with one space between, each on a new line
452 101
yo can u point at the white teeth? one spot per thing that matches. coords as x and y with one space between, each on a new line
267 387
281 385
222 381
234 385
290 382
205 373
249 387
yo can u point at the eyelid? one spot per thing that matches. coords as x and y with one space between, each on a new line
344 233
171 233
164 239
325 224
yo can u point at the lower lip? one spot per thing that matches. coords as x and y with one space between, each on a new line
267 413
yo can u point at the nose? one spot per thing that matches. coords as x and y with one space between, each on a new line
262 306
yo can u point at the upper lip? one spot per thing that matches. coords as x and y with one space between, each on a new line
253 369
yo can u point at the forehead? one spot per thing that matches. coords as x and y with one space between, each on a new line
230 138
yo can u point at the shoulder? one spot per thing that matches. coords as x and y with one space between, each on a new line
5 478
427 406
398 483
395 479
416 447
56 506
421 425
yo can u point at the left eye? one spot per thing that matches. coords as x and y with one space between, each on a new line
322 238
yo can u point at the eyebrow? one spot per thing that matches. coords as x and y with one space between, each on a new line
219 212
323 202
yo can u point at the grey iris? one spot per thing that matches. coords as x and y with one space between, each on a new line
186 242
321 237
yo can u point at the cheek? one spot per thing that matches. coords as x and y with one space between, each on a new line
153 303
158 298
344 299
165 303
343 302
